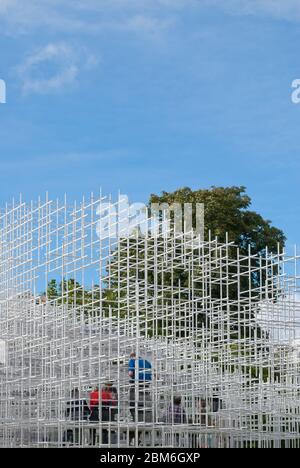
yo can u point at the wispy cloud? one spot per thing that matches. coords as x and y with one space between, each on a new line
147 18
89 17
281 9
92 16
64 59
143 24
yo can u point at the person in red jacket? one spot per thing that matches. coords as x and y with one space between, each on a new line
107 397
108 401
94 400
94 408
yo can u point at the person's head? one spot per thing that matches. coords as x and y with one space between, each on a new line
75 393
96 388
108 385
177 400
203 403
133 355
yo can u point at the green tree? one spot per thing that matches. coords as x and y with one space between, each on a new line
52 290
227 211
71 293
228 217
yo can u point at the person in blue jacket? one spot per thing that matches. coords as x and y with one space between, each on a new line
144 369
140 376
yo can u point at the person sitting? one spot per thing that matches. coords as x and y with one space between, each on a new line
108 401
76 410
175 413
108 408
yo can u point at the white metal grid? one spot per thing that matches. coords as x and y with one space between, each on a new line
220 329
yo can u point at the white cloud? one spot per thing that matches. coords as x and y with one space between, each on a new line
66 61
91 16
146 18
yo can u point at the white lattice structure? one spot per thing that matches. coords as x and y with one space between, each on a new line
220 329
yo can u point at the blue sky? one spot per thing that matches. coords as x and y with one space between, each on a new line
148 95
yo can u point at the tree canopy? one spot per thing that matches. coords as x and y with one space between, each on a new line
227 210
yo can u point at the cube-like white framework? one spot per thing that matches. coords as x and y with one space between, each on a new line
220 329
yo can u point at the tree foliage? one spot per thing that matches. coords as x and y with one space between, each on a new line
227 210
228 217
